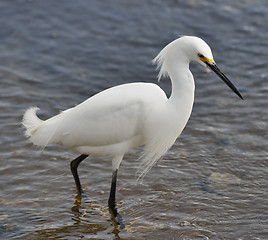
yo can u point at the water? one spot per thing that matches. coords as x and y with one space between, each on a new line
212 184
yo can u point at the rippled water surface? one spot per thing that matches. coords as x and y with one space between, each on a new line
212 184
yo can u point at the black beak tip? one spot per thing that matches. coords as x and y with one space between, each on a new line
238 94
235 90
215 69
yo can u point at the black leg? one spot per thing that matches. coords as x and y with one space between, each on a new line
112 205
74 165
111 202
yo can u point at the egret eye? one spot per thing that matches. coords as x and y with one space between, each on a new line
200 55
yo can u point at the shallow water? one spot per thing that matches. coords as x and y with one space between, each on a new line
212 184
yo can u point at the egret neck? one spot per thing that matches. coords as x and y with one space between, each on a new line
182 95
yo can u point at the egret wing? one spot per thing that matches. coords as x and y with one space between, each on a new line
110 117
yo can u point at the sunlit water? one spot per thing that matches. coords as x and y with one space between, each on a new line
212 184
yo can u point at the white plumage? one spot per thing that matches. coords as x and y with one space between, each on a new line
110 123
126 116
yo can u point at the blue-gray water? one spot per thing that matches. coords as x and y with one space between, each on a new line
212 184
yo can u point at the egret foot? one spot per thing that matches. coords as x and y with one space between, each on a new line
82 198
117 218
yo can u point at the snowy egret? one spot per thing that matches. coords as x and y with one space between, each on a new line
118 119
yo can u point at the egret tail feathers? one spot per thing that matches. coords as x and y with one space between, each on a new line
40 132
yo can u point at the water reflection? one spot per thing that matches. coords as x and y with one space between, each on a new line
78 230
84 205
88 220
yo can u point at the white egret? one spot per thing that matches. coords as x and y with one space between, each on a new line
118 119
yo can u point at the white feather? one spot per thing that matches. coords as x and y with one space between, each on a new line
123 117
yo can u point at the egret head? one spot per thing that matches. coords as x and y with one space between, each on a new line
185 49
197 50
201 53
